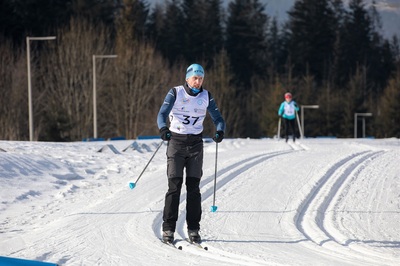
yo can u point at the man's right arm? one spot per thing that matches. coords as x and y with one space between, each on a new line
165 109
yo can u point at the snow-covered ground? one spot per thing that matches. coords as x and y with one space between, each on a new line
323 202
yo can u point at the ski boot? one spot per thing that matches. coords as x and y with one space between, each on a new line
194 236
168 237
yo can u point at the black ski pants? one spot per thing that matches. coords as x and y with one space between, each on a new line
183 152
290 123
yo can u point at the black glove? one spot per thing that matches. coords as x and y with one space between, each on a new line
165 133
219 136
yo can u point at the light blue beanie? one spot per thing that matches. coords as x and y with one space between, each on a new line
194 70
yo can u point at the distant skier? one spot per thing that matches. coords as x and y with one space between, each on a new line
186 106
287 111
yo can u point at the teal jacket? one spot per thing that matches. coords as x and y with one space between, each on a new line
288 110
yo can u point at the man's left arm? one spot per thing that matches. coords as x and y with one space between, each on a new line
215 114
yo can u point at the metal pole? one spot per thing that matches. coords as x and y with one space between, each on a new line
132 185
300 129
94 99
28 63
302 120
302 116
95 91
215 207
279 128
363 125
355 125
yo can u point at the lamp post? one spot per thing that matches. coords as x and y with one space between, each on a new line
302 115
363 115
28 60
94 91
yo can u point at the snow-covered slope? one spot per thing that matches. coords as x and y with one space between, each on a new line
321 202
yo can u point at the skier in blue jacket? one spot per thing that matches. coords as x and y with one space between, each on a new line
186 107
287 111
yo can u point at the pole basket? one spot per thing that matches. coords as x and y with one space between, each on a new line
132 185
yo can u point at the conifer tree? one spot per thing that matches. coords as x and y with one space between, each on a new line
312 25
170 39
355 42
276 48
246 40
202 30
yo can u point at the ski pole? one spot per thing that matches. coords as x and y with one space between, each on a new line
214 207
132 185
279 129
298 123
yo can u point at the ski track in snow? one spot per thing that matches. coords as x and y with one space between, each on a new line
314 202
311 219
225 175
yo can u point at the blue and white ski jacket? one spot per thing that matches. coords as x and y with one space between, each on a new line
187 111
288 110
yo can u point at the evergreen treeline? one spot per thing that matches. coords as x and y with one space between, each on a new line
326 53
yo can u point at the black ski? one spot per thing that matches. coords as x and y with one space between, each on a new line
171 244
196 244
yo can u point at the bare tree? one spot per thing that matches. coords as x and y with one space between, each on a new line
139 83
387 116
68 79
140 78
219 82
13 93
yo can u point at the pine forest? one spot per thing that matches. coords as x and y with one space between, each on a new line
121 57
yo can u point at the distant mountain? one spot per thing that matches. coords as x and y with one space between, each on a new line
388 9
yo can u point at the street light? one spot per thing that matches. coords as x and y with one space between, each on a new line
28 60
363 115
302 115
94 91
